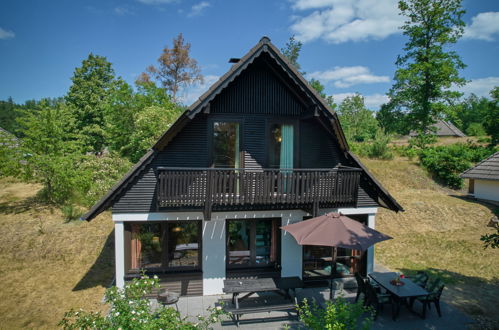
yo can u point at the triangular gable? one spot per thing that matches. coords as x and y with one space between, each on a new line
320 107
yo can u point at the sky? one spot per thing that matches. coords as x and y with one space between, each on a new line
349 45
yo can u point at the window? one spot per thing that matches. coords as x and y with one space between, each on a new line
281 146
226 145
318 262
252 242
166 245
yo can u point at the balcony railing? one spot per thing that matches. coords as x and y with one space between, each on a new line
275 188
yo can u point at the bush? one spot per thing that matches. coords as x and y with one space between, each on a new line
475 129
447 162
378 148
71 212
129 309
338 315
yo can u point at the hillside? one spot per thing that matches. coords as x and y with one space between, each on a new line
48 266
439 232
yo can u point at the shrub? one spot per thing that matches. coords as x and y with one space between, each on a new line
130 310
378 148
71 212
447 162
475 129
338 315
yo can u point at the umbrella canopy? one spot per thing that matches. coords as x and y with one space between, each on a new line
335 229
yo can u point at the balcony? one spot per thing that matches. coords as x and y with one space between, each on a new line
232 189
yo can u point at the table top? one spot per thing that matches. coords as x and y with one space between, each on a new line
261 284
409 289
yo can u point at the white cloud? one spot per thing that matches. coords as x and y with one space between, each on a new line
348 76
483 26
194 92
372 101
480 86
156 2
6 34
123 10
338 21
198 9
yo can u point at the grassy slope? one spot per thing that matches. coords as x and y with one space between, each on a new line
44 262
439 231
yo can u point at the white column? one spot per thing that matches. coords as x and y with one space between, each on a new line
371 222
291 252
119 250
213 256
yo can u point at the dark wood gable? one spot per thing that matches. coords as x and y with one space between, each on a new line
261 88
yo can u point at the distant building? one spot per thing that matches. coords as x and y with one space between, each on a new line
484 179
445 128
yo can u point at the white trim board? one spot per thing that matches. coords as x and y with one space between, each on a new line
175 216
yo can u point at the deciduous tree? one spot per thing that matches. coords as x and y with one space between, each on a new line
176 68
428 69
357 121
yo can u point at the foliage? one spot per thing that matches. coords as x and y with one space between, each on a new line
71 212
357 121
292 51
379 146
471 111
491 240
422 140
447 162
338 315
393 121
8 115
427 70
98 174
92 84
175 68
475 129
316 84
50 150
492 117
130 310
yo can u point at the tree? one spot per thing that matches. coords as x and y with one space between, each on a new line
492 117
357 121
8 115
176 68
51 151
428 70
392 121
87 97
292 51
316 84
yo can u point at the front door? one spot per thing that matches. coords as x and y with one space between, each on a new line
252 243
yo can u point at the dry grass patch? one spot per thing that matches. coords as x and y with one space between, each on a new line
48 266
439 232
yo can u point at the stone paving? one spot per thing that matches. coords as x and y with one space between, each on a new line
451 318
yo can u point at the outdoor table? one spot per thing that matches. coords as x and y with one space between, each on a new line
254 285
399 293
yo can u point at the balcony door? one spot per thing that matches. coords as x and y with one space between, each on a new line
252 243
226 144
281 146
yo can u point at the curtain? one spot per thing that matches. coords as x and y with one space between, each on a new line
135 248
273 240
286 146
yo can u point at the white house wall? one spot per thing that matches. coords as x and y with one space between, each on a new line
213 240
487 189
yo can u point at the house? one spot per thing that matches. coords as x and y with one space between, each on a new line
260 149
444 128
484 179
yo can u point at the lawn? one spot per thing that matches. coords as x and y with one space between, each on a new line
439 232
47 265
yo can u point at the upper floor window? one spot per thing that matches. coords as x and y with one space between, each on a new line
281 146
226 144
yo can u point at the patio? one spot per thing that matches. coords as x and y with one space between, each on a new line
451 318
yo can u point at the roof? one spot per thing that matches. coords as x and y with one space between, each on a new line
445 128
203 103
487 169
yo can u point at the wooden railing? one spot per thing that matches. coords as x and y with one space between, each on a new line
279 188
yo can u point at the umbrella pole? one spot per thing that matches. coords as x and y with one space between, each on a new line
333 272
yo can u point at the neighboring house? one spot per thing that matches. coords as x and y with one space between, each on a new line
259 150
444 128
484 179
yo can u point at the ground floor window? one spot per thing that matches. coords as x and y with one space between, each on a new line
252 243
169 245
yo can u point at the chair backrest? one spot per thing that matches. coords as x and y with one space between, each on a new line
421 278
371 294
435 287
361 284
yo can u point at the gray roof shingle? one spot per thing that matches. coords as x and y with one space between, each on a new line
487 169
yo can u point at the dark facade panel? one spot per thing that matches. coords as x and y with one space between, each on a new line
317 147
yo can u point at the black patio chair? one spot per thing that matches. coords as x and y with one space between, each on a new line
376 299
435 288
361 287
421 278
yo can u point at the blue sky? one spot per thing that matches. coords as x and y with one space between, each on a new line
350 45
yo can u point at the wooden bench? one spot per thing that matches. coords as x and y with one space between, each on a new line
269 307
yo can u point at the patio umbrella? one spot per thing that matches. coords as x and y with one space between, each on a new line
337 230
